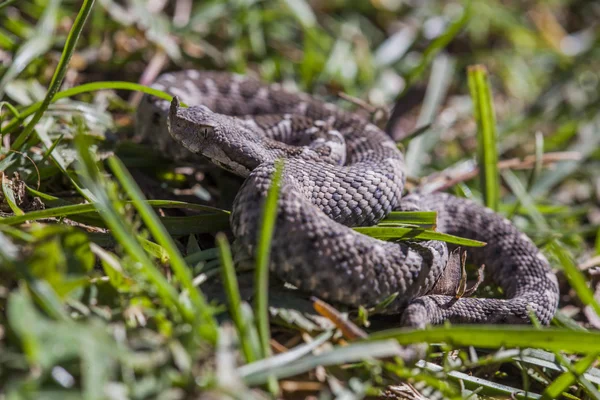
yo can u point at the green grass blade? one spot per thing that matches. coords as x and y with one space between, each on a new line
566 379
269 215
437 45
91 177
207 326
51 149
65 211
203 255
263 252
39 43
47 298
59 73
233 296
494 336
13 110
9 196
493 389
398 233
6 3
487 152
16 234
43 292
586 147
86 88
424 218
576 279
534 174
60 162
525 200
440 80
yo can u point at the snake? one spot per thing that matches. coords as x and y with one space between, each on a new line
340 171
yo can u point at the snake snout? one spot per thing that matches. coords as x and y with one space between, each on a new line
191 126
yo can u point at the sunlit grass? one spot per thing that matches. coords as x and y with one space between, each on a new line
112 283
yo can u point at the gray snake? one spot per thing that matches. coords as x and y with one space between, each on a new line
342 171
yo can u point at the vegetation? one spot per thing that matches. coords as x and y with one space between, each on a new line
116 273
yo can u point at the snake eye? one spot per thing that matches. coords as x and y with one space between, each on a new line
205 131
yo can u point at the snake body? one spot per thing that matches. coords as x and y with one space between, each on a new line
342 171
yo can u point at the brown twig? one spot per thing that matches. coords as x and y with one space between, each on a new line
513 163
348 329
155 66
371 109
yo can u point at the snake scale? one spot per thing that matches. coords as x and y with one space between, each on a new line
341 171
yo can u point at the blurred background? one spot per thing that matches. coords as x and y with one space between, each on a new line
407 57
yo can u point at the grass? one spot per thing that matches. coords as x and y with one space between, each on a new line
487 154
116 273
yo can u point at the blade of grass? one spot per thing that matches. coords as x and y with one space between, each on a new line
65 211
286 358
428 218
16 233
6 42
437 45
396 233
442 72
203 255
543 359
91 177
261 277
207 323
567 378
50 149
46 297
6 3
474 382
39 43
487 152
303 12
355 352
395 47
59 73
576 279
586 144
9 196
535 172
525 200
86 88
227 379
58 160
44 294
12 110
233 296
494 336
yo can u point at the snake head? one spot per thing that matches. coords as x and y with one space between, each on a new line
193 127
218 137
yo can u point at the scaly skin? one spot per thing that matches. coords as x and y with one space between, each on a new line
244 126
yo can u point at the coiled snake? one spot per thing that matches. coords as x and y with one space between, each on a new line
341 171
